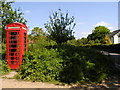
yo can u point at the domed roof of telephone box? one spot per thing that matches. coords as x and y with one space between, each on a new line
16 25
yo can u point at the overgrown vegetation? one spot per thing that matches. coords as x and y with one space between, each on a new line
47 61
3 63
84 65
4 67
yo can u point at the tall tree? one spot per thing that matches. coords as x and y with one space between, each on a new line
60 27
10 16
37 34
99 34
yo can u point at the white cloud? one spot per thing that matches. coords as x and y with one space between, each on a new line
102 23
113 29
110 28
27 11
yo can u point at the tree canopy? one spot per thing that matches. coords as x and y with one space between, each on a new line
10 16
36 34
60 27
98 35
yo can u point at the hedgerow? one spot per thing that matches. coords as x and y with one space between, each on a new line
84 65
112 48
64 63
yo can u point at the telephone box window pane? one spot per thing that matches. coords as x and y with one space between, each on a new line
13 42
12 58
17 58
13 33
24 34
13 50
18 49
18 45
13 46
14 37
12 62
18 54
16 62
11 54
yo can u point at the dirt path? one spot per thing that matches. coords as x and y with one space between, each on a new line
13 83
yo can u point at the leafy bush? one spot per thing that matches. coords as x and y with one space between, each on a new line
84 65
3 63
4 67
40 64
65 63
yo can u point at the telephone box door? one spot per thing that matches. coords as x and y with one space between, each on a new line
13 49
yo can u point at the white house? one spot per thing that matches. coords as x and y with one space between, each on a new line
115 36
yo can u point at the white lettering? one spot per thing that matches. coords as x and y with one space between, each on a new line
12 27
24 28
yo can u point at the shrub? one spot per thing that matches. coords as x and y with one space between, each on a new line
65 63
84 65
40 65
4 67
3 63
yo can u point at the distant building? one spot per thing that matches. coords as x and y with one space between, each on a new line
115 36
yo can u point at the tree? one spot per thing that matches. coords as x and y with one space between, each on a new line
107 40
82 41
10 16
60 27
36 34
91 42
72 42
99 34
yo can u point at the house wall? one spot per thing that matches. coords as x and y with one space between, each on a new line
115 39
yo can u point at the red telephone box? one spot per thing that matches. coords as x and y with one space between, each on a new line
16 44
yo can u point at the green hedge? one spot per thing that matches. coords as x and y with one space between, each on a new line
113 48
65 63
84 65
